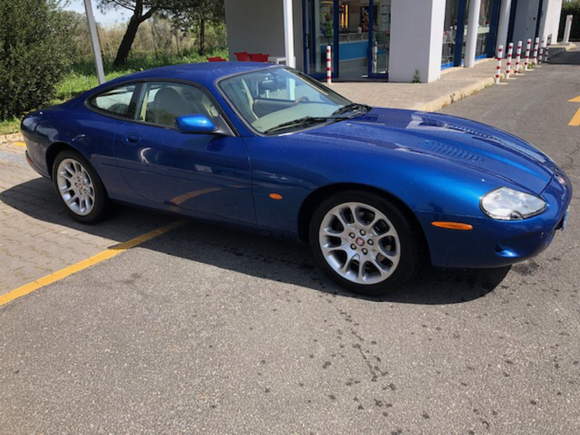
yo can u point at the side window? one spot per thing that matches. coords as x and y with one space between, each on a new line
162 102
116 101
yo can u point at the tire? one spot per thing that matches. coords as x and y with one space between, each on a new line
79 187
381 238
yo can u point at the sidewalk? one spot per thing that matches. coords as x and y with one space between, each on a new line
455 84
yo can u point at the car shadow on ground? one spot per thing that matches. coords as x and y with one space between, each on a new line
271 259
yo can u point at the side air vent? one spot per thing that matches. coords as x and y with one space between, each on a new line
450 151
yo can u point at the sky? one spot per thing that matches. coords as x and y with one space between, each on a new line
112 16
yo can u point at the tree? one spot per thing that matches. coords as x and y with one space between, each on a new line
34 53
197 16
142 10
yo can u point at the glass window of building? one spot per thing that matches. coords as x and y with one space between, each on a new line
449 32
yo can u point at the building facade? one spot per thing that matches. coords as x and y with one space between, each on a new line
395 40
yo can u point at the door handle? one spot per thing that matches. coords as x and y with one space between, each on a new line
132 138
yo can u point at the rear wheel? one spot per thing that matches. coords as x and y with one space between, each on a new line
364 243
79 187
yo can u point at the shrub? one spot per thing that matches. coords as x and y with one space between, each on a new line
34 53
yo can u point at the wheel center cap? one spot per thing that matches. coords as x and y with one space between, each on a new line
359 241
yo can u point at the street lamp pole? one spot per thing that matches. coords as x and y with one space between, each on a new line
95 41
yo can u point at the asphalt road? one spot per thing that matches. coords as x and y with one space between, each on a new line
206 330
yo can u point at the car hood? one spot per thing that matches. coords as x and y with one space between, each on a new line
461 141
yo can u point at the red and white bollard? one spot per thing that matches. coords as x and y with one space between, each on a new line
518 57
508 69
498 67
375 57
541 57
536 46
547 53
528 47
328 65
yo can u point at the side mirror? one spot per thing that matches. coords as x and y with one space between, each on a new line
195 124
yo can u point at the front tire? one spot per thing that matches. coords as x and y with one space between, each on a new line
364 243
79 187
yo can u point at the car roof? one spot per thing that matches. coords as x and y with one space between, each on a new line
203 73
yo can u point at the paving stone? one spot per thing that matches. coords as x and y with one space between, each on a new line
38 237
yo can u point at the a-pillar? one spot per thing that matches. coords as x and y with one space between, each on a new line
416 40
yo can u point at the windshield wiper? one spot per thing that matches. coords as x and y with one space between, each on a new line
300 122
351 107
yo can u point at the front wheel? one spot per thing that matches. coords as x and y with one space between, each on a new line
364 243
79 187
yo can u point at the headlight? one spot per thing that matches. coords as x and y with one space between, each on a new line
509 204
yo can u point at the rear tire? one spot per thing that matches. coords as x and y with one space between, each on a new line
79 187
364 243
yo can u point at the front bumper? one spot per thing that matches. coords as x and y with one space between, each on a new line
495 243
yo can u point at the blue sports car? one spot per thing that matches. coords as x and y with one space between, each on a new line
376 192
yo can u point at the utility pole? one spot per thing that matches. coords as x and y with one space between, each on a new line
95 41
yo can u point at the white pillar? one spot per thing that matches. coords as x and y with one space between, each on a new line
567 29
504 21
95 41
416 47
289 34
472 30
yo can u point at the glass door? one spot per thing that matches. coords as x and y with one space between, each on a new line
358 32
381 36
319 32
354 25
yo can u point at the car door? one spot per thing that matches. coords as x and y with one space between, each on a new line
200 173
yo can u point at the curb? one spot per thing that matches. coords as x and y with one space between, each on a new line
456 96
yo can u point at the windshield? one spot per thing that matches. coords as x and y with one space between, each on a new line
277 99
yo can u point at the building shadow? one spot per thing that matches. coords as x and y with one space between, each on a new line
566 58
272 260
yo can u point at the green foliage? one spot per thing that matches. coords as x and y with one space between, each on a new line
570 8
417 77
34 53
81 77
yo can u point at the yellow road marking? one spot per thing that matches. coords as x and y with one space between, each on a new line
20 144
575 121
105 255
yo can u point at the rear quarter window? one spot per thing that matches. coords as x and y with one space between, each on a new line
118 101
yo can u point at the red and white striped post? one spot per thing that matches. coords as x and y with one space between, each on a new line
498 67
518 57
528 47
375 57
508 69
536 46
547 53
328 65
541 57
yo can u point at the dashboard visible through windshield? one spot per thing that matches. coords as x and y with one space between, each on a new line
280 99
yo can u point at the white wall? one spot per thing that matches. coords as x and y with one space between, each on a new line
416 39
257 26
551 19
527 16
525 21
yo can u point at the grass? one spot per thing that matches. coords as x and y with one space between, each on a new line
81 77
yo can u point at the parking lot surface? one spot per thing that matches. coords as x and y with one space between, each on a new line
208 330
